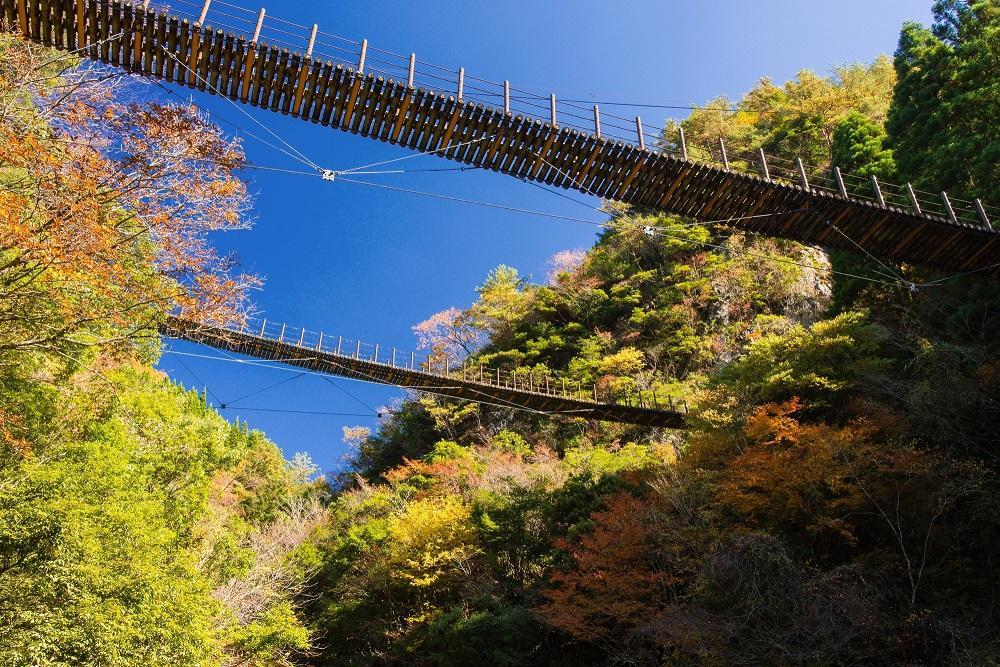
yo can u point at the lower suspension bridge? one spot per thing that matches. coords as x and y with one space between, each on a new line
527 391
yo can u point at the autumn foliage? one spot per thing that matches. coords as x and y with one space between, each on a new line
106 207
611 587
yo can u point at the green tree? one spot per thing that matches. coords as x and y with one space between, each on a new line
942 122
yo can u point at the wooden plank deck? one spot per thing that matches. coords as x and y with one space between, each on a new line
486 137
480 388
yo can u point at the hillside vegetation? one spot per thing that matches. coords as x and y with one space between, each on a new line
835 501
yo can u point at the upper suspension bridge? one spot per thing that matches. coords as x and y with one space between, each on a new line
377 94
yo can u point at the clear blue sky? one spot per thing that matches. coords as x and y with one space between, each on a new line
369 264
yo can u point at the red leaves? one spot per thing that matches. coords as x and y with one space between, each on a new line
611 585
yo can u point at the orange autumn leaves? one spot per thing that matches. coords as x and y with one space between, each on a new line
826 489
105 211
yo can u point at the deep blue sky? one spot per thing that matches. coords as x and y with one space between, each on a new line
369 264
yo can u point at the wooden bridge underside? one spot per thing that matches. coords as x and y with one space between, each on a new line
451 385
486 137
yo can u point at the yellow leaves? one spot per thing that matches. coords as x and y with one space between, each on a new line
626 362
432 541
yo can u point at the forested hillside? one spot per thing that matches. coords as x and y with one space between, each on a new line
835 501
137 526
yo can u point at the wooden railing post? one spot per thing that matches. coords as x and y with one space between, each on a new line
878 191
982 214
840 182
312 41
204 13
361 58
763 165
913 199
257 29
948 208
802 174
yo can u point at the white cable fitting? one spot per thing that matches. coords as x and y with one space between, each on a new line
648 231
329 175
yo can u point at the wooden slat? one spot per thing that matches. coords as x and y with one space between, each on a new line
278 81
303 109
983 249
125 41
103 22
387 114
361 107
263 75
351 101
289 83
401 116
212 64
551 171
323 99
22 18
146 42
45 23
411 120
542 155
